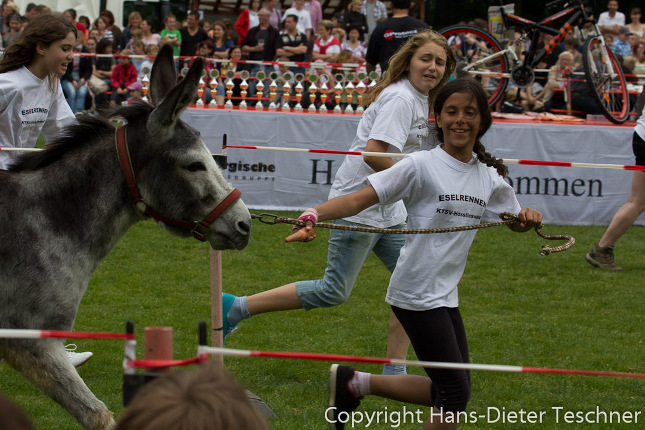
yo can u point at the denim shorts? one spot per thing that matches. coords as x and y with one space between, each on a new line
347 253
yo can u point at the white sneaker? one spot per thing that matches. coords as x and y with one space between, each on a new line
77 358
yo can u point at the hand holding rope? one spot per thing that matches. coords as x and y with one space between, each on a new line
507 219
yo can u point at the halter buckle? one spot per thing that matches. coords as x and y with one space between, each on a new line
142 207
199 231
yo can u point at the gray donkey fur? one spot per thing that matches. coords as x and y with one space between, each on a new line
64 209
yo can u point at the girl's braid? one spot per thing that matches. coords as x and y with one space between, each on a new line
489 160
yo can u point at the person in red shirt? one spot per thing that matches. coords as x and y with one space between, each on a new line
124 74
247 20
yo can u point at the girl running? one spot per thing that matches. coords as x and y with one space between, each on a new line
31 97
423 287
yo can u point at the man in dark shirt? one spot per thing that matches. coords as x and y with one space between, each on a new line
292 46
259 43
292 43
191 35
389 35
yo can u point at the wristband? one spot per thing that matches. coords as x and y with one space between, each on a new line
310 214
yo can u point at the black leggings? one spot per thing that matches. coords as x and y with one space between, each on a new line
439 335
638 146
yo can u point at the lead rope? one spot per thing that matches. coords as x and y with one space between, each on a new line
507 218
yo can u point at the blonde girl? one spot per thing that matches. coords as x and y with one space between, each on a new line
396 120
134 23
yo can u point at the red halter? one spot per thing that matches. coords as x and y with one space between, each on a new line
197 228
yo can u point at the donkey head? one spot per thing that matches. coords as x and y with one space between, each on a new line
181 180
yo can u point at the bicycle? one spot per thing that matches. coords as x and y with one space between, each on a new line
479 53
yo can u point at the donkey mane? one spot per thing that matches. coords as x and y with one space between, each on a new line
77 137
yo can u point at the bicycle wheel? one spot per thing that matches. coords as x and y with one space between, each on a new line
475 51
608 89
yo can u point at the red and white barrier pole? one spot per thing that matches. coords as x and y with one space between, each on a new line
399 155
433 364
44 334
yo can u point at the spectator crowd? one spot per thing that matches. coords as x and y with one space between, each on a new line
298 33
261 32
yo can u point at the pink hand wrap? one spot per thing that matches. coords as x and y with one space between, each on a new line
310 214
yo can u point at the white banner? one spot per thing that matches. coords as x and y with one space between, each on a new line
274 180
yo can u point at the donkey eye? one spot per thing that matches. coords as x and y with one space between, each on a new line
195 167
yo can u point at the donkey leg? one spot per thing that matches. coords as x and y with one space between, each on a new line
45 364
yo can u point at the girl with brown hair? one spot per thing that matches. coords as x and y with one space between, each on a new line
31 97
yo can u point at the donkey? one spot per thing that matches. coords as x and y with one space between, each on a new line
64 209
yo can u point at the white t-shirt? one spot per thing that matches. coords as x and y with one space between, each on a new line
27 107
304 19
399 116
604 20
438 191
254 19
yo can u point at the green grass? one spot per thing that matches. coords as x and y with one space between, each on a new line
40 142
519 309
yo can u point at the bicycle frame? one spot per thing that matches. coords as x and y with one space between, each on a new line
483 60
576 12
482 54
531 59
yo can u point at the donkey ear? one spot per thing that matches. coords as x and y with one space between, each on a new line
179 97
163 76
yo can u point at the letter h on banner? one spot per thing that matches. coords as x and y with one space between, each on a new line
315 171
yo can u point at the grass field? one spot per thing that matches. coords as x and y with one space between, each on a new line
519 309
